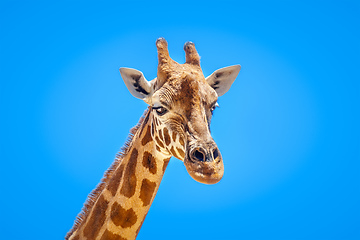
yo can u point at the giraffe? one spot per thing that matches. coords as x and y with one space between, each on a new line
176 123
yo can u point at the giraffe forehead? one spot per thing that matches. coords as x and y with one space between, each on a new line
188 91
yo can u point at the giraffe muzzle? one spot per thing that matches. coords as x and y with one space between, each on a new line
204 164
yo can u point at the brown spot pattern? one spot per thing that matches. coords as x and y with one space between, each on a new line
149 162
167 136
129 185
111 236
97 218
147 117
160 134
76 237
173 152
152 128
147 191
166 162
181 140
174 136
181 152
147 137
159 142
157 122
115 180
122 217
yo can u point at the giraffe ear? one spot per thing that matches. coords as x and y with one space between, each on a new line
221 79
135 81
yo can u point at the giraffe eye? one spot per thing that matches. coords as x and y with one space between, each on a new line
214 106
160 110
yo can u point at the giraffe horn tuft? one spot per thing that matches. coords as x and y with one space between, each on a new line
166 64
163 52
192 56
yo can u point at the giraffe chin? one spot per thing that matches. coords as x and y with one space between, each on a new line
205 172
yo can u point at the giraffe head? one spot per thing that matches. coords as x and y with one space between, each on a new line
182 101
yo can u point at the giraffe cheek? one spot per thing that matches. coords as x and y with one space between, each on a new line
181 153
167 138
177 152
181 141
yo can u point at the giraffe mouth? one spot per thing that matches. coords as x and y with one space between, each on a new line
203 166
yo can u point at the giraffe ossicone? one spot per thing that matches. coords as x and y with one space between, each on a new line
177 123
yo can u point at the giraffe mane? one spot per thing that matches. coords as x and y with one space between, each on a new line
94 195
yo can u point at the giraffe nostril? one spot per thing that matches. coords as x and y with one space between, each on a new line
215 153
202 155
199 156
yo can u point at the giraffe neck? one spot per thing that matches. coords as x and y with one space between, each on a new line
121 205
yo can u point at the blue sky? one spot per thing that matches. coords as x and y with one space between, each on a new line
288 129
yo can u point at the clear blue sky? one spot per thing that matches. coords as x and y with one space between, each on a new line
288 129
